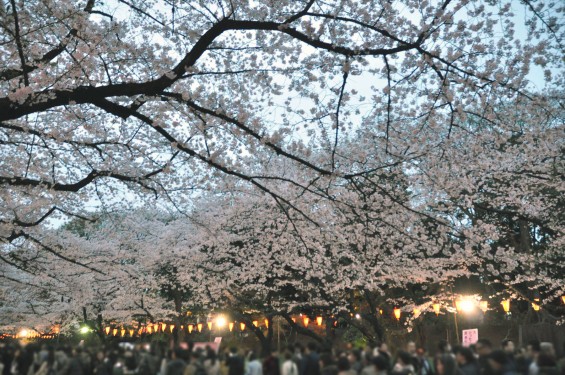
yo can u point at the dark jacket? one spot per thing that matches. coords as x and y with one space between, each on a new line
271 366
236 365
471 368
311 364
175 367
330 370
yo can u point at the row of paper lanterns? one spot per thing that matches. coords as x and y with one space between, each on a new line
164 327
461 305
25 334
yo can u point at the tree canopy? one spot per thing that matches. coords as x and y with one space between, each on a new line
337 144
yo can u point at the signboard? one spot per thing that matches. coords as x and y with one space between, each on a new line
214 345
470 336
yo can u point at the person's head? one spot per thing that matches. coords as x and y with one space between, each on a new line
508 346
421 352
464 355
178 353
381 363
443 346
288 355
129 360
533 348
311 347
403 358
233 350
497 359
368 359
326 360
51 356
411 347
484 347
343 364
354 356
195 356
445 364
547 348
383 347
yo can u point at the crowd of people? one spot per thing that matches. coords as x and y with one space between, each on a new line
142 359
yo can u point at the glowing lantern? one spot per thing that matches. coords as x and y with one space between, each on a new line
506 305
122 332
230 326
199 326
190 328
306 320
483 305
563 298
171 327
535 305
381 311
437 308
319 320
416 312
396 313
242 326
140 331
150 329
131 332
294 320
115 332
256 323
107 330
209 326
267 323
163 327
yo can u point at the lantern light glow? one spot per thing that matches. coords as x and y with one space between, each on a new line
221 321
506 305
437 308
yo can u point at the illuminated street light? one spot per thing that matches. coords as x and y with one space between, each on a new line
221 321
465 306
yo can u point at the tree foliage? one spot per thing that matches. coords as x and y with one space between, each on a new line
339 145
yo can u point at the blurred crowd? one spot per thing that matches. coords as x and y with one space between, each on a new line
482 358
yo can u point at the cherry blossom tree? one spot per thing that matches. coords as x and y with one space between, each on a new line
323 140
